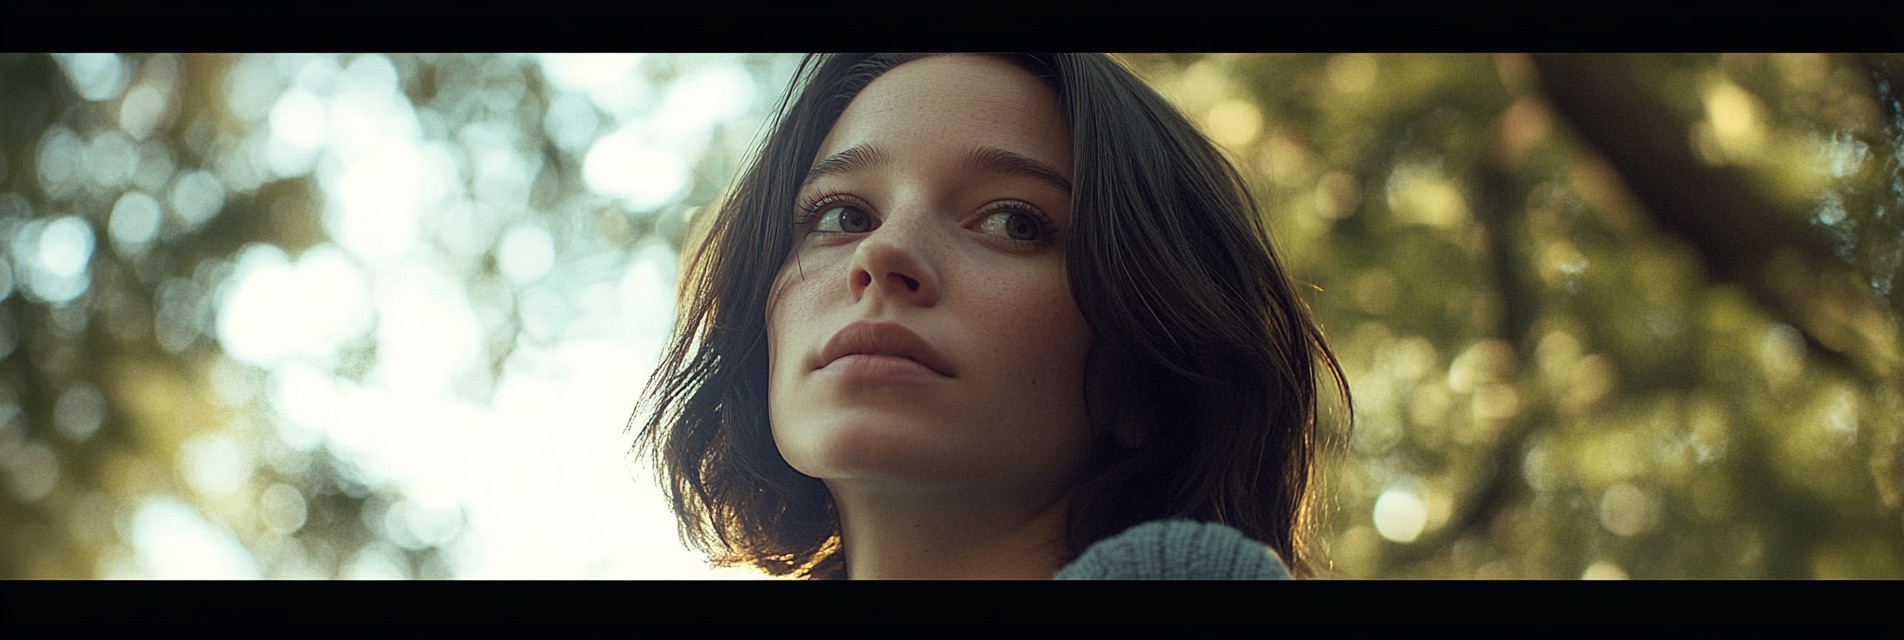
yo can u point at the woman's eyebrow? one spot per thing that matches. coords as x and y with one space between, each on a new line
854 159
1002 161
991 159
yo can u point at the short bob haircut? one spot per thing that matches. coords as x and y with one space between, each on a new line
1201 381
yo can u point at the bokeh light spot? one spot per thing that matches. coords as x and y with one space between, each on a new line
381 195
1738 120
377 561
196 197
1423 195
251 86
141 110
59 251
175 542
1400 515
95 76
66 246
134 223
34 471
298 122
623 165
426 333
1483 362
215 464
113 159
156 166
608 79
79 412
1234 123
274 310
1627 510
572 122
59 162
1603 570
181 312
1352 73
283 509
709 94
254 306
307 398
526 253
1783 353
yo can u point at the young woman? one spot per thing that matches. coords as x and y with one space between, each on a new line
992 317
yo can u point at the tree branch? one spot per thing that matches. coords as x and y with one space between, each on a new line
1785 265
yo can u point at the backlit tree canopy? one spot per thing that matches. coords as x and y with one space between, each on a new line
319 315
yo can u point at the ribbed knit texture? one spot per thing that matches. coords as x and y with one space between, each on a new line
1176 550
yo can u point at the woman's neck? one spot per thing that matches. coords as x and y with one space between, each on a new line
912 536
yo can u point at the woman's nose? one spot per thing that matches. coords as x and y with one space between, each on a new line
894 262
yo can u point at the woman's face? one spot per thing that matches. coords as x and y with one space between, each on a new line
923 335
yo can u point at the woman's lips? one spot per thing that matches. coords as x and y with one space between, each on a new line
882 349
866 367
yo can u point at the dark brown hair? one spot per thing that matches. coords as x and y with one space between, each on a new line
1201 383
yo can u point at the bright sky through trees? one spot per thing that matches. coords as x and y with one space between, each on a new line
323 315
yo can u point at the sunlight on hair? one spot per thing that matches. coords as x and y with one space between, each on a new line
319 315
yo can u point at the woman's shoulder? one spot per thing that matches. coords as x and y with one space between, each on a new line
1176 550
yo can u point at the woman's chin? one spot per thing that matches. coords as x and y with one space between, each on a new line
870 448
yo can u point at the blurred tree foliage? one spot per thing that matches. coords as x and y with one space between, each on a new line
137 190
120 212
1602 315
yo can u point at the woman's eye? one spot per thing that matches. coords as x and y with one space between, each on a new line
1014 225
846 219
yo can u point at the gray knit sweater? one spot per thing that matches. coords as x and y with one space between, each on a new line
1176 550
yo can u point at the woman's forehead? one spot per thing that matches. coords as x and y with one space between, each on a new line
955 103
